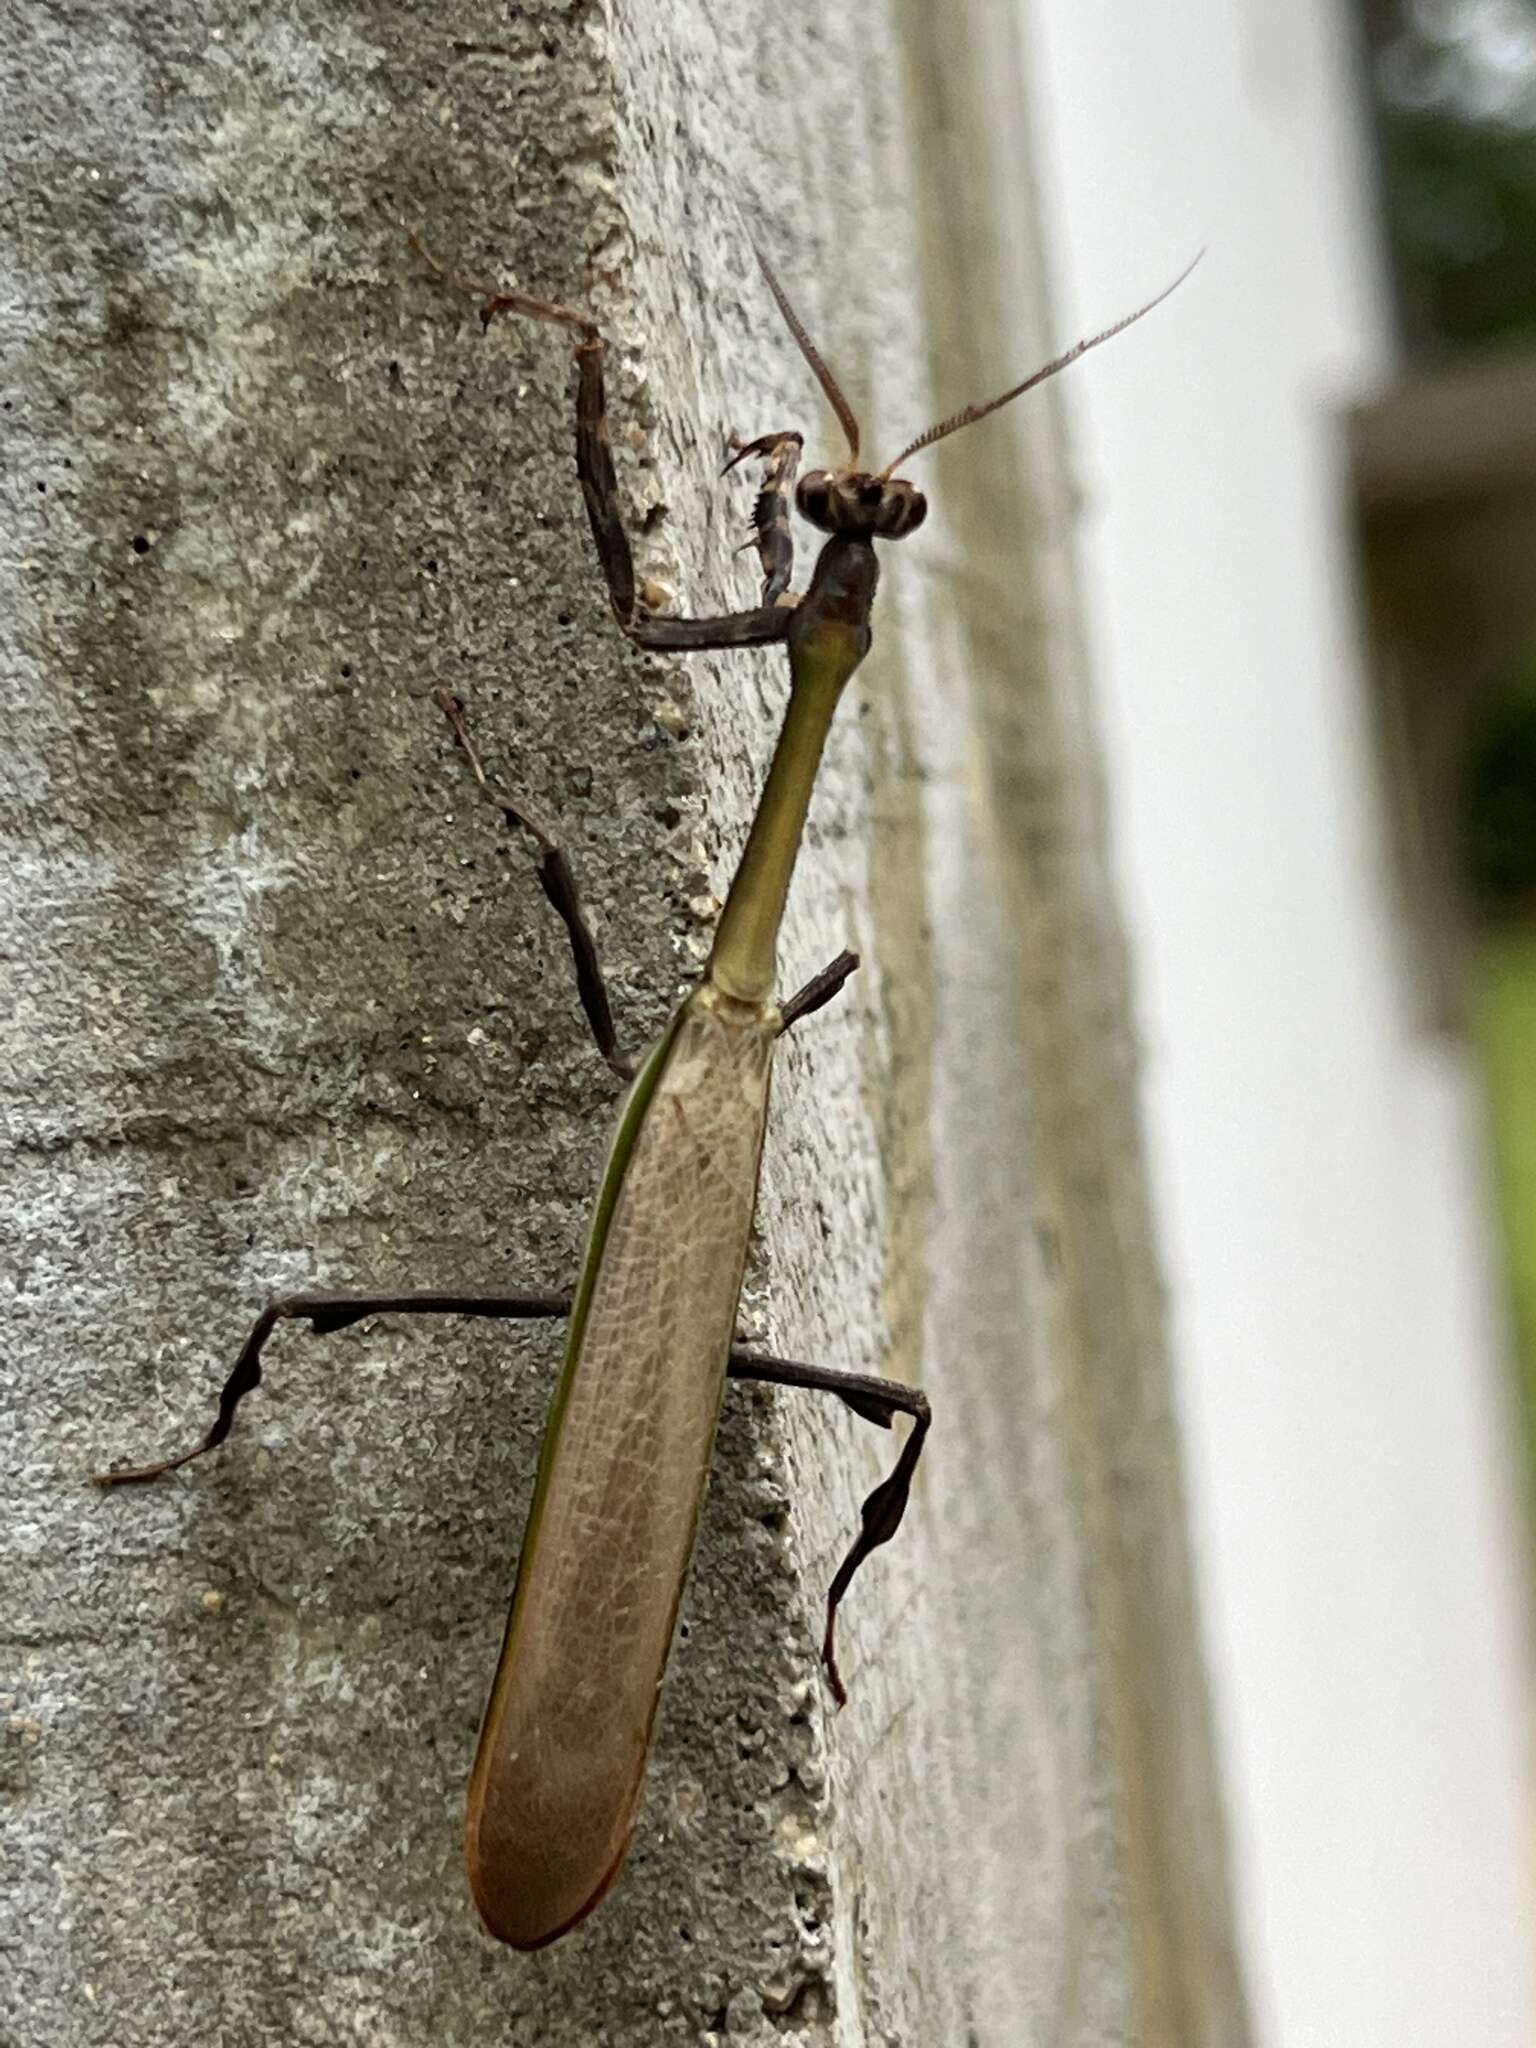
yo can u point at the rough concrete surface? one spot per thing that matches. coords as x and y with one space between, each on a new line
284 1007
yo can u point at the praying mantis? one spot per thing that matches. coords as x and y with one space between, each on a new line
557 1777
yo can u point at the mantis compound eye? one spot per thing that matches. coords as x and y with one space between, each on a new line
813 497
902 509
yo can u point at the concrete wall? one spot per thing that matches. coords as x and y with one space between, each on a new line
1316 1142
287 1009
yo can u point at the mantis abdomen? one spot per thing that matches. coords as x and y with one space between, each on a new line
562 1751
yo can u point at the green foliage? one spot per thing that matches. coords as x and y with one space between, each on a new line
1499 816
1504 1022
1455 93
1460 202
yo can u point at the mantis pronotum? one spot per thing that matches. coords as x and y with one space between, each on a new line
650 1343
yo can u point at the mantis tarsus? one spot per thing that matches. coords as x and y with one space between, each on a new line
650 1344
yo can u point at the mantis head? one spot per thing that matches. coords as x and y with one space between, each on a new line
849 501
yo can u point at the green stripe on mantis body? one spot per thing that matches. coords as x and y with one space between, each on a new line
824 651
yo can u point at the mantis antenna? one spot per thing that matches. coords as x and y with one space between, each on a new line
812 354
971 413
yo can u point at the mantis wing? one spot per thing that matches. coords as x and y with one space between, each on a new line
557 1776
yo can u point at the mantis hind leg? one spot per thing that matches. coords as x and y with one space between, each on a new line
878 1401
326 1312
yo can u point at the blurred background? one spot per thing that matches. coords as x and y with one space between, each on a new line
1310 541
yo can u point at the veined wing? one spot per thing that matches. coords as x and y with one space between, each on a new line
626 1455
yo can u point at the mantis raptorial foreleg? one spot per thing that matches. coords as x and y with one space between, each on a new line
772 534
876 1400
599 488
759 627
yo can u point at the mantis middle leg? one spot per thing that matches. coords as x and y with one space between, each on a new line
559 886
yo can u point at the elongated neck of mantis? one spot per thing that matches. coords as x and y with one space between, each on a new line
828 638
